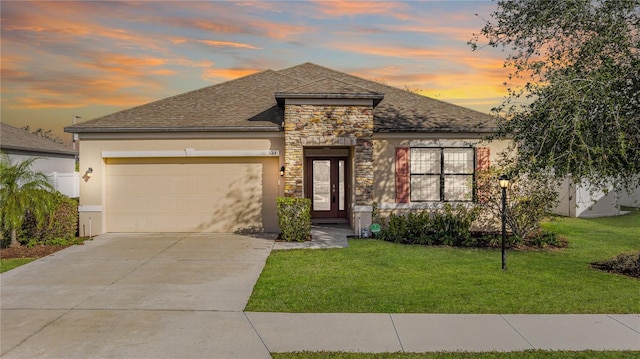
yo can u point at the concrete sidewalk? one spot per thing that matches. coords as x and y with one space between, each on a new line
375 333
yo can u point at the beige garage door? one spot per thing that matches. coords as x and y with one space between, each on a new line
191 194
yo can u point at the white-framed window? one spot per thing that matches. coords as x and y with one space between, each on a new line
442 174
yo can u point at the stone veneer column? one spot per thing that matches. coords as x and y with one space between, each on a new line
331 125
293 156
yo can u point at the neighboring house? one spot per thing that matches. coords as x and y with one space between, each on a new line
57 161
215 159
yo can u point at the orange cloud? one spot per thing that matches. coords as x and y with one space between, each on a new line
250 26
280 31
227 74
390 51
351 8
238 45
478 85
119 100
70 21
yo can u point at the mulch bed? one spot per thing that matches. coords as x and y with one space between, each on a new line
38 251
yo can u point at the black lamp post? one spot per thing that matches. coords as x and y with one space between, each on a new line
504 183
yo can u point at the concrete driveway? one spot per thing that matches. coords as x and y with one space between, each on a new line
136 296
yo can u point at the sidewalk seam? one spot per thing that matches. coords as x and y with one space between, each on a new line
517 331
38 331
617 321
257 333
396 330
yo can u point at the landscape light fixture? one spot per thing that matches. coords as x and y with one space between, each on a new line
503 180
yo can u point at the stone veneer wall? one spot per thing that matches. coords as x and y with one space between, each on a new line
329 125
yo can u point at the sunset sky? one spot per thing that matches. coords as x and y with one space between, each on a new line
92 58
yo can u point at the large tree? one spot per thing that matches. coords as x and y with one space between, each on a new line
573 106
22 190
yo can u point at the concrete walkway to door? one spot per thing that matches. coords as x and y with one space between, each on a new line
136 296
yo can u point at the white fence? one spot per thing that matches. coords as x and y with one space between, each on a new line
67 183
581 201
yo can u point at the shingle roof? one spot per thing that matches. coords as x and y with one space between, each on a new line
17 139
249 103
404 111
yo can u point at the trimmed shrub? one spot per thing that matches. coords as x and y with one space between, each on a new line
294 218
393 229
452 224
626 263
448 225
58 229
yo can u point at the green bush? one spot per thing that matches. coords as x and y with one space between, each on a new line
393 229
530 197
448 225
58 229
294 218
625 263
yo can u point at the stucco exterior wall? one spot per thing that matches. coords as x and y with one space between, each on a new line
384 147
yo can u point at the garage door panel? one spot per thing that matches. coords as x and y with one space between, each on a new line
190 195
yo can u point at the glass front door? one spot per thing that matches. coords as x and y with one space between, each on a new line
327 187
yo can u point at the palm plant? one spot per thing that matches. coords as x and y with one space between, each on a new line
22 190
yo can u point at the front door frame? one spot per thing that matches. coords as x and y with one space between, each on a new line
334 212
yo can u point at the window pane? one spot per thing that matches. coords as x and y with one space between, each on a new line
458 160
458 188
321 184
341 185
425 160
425 188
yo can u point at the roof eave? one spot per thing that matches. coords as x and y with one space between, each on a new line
79 129
375 97
436 130
40 150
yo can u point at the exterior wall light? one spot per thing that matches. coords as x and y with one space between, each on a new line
87 174
282 171
503 180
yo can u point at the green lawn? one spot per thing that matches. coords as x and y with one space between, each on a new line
533 354
381 277
8 264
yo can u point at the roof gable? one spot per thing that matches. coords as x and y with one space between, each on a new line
404 111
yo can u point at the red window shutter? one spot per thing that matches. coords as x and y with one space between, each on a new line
482 164
402 175
482 158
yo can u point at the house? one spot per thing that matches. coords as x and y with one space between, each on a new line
55 160
215 159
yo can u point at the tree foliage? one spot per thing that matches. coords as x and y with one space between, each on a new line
530 197
573 104
22 190
48 134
